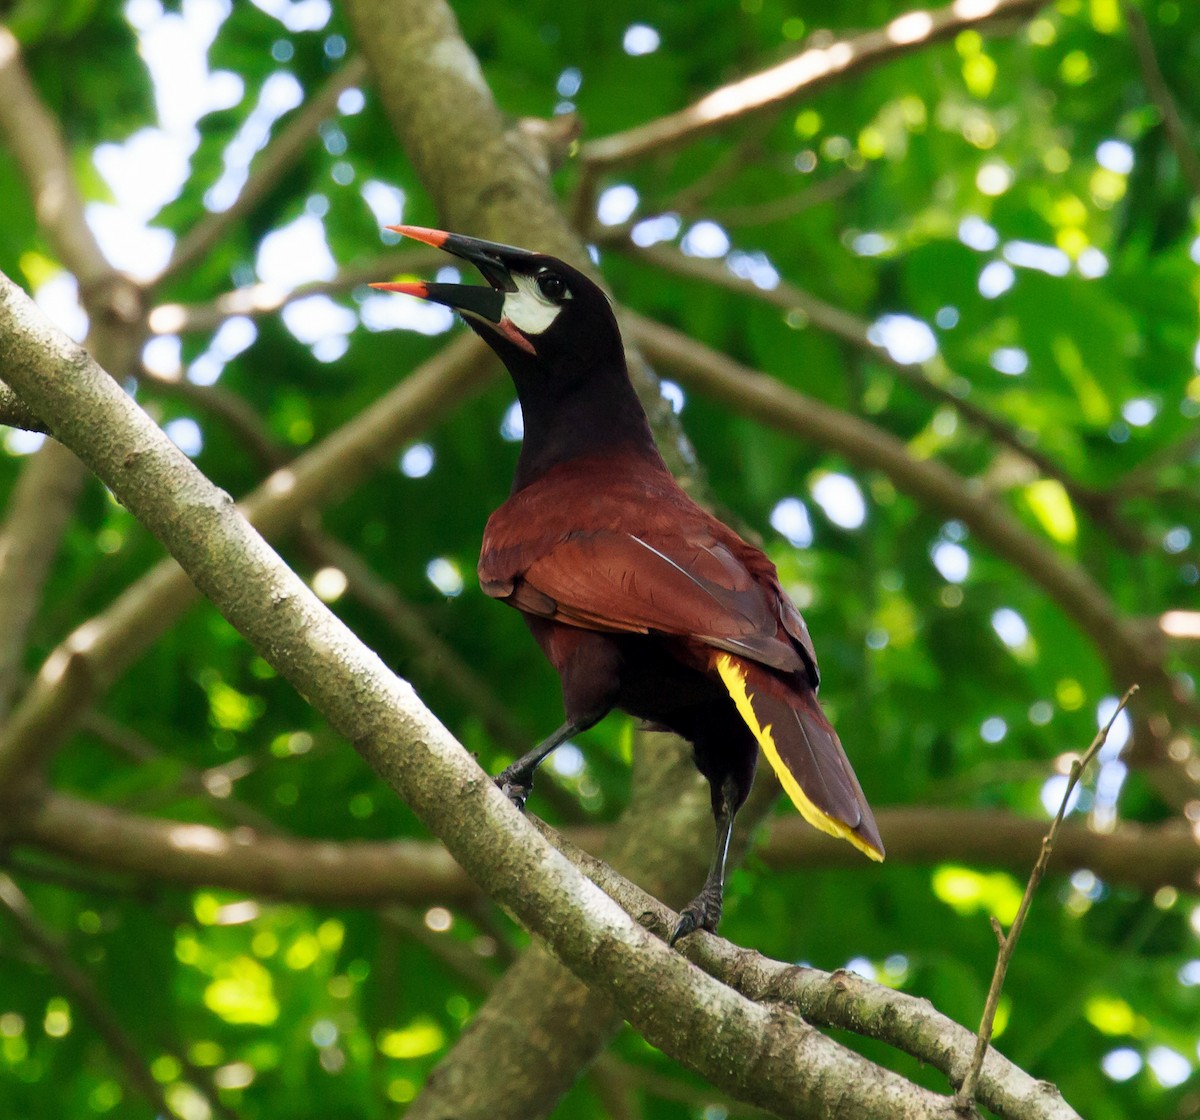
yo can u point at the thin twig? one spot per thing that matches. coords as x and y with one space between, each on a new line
189 779
276 160
789 205
1183 145
964 1099
455 954
1142 480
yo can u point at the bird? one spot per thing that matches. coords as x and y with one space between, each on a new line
640 599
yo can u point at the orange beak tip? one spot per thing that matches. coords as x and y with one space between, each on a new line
434 237
406 287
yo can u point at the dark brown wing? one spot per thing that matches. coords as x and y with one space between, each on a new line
650 561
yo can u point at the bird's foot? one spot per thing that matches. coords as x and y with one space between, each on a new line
703 912
515 785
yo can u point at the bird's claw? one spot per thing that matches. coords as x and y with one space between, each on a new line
516 788
703 912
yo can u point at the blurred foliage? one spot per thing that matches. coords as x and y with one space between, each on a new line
1012 192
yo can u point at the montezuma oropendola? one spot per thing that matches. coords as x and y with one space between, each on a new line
639 598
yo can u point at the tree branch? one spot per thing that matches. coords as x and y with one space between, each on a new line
1124 645
276 160
85 664
803 74
33 135
436 658
930 378
760 1054
365 873
839 1000
15 413
39 508
256 300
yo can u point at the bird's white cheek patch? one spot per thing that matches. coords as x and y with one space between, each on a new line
529 311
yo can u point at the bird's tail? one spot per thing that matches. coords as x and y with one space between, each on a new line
803 750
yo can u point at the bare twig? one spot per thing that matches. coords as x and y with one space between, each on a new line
964 1100
189 781
1143 481
789 205
455 954
1183 144
276 160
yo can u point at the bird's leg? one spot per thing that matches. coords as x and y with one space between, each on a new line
516 781
704 911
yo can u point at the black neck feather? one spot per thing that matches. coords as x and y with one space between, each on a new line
569 413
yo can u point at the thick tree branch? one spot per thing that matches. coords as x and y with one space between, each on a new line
276 160
435 658
91 658
760 1054
840 1000
365 873
15 413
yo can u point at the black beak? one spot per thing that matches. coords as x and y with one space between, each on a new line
492 259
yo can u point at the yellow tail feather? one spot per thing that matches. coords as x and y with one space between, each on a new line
734 678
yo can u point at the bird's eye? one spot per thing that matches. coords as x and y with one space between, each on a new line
551 285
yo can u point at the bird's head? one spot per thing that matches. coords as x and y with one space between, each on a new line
536 310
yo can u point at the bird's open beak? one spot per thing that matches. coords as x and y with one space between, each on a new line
493 261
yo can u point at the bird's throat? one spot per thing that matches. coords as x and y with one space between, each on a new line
595 415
